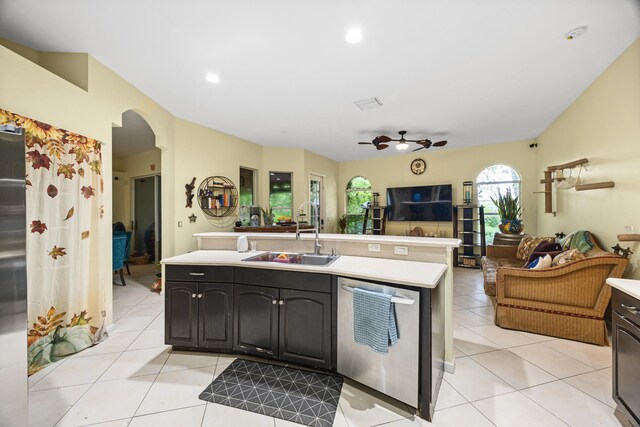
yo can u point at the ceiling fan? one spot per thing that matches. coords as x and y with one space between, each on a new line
381 142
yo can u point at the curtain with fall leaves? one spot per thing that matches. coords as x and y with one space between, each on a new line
64 209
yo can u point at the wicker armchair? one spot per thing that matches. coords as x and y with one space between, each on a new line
567 301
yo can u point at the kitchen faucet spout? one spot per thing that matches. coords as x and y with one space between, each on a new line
316 228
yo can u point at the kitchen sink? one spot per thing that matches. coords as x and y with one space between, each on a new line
294 258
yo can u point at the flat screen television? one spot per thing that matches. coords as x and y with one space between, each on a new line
427 203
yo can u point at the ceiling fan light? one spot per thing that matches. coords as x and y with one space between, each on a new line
402 146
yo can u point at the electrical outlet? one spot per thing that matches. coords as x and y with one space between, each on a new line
401 250
628 229
179 223
374 247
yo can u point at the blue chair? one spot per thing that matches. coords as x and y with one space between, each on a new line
119 255
127 250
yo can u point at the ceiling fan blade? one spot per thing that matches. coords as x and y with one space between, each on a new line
365 143
383 138
381 146
440 144
421 148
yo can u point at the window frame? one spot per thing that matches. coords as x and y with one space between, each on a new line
488 184
254 186
281 208
355 220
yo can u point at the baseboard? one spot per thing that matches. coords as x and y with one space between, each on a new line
450 367
110 328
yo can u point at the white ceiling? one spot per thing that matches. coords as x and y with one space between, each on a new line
135 136
473 72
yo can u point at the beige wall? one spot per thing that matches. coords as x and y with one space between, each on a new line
451 166
602 125
202 153
28 89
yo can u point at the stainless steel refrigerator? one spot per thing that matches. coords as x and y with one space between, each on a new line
13 280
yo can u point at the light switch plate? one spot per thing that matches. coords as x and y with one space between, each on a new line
374 247
179 223
401 250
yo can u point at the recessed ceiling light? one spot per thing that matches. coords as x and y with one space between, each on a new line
575 33
212 78
353 36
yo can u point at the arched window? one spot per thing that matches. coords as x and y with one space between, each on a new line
491 180
358 193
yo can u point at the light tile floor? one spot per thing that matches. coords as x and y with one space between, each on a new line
502 377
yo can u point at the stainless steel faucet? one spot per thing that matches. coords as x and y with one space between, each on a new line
316 212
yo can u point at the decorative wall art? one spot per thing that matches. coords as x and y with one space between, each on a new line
66 304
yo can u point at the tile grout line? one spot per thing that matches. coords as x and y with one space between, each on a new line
565 354
91 386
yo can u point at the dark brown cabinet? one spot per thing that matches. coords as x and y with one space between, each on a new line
181 314
287 324
305 328
215 315
198 315
626 355
256 320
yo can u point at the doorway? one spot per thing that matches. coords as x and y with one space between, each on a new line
146 216
316 196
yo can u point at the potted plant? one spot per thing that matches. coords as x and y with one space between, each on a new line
509 210
268 217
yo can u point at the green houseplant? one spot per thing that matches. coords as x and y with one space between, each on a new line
509 209
268 217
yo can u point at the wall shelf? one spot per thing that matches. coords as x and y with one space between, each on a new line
217 196
629 237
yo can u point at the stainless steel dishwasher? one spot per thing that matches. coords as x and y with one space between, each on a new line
396 373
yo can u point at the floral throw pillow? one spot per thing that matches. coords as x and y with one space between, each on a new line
528 244
567 257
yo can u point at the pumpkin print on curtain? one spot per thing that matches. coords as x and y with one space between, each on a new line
64 208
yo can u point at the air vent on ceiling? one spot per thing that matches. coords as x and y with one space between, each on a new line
368 104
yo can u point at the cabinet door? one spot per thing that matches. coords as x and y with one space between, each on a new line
255 328
626 358
215 313
181 314
305 327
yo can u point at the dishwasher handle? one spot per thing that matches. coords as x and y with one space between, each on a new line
394 299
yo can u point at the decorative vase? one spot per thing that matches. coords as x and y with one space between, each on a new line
511 226
268 220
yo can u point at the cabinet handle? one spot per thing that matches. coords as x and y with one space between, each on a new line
199 295
274 301
630 309
281 302
196 274
193 295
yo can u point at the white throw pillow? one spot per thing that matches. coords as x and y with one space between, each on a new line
543 262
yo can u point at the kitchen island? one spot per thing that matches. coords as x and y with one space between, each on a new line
293 313
378 248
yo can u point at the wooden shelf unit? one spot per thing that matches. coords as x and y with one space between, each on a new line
468 226
377 216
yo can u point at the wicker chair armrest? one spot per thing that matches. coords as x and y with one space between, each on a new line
501 251
515 280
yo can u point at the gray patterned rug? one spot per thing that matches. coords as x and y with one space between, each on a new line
303 397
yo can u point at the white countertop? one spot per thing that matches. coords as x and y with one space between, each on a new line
413 273
407 240
628 286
